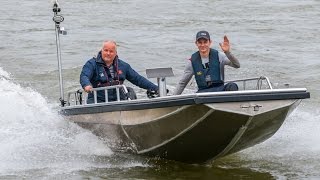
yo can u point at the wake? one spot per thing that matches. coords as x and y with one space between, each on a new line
34 136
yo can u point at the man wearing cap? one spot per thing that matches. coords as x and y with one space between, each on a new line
207 65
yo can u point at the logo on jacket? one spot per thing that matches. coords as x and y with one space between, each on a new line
119 72
199 73
101 74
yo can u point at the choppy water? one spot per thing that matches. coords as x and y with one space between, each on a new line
278 39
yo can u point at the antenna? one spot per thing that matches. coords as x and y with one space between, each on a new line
59 30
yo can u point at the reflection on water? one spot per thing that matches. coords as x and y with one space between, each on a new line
163 169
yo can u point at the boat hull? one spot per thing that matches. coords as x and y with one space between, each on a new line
191 133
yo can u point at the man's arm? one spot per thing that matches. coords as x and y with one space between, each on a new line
230 60
86 75
187 75
233 61
139 80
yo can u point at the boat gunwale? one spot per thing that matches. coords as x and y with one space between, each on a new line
188 99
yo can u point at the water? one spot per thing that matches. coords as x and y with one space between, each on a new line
278 39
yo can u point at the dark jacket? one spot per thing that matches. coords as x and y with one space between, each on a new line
212 69
96 73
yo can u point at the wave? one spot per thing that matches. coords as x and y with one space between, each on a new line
4 74
294 150
34 136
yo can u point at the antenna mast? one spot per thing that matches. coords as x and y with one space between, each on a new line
59 30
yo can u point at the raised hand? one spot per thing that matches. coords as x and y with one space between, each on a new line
225 46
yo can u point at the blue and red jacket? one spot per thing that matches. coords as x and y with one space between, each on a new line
96 73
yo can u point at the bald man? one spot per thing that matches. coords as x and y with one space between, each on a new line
107 70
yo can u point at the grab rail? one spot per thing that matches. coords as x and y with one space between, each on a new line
79 97
259 82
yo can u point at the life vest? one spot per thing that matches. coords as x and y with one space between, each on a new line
105 78
213 69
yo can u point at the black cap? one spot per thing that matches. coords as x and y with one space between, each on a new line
202 34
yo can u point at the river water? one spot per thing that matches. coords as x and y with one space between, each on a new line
275 38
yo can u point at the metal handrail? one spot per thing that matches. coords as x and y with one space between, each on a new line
79 96
258 79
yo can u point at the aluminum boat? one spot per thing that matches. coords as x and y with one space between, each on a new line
190 128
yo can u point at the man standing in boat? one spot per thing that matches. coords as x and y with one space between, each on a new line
207 65
107 70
